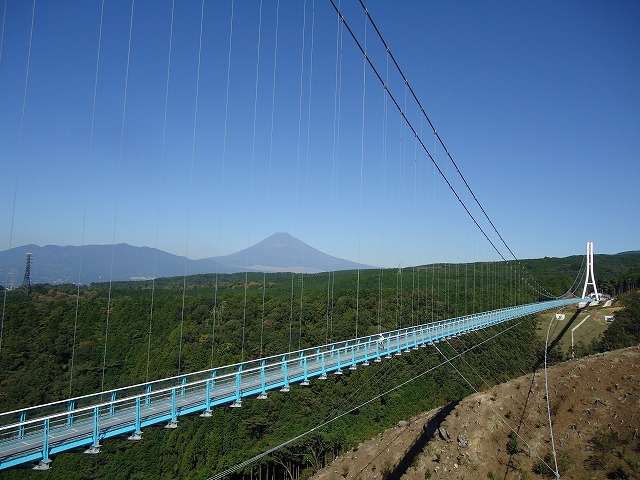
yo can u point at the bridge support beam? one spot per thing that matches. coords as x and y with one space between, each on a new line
237 403
323 370
305 381
263 382
339 370
207 401
23 418
46 461
137 433
285 372
353 358
366 355
70 415
95 446
388 355
173 423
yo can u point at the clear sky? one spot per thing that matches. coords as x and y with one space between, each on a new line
538 103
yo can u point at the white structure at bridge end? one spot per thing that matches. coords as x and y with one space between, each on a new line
589 274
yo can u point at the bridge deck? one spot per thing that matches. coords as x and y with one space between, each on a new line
34 434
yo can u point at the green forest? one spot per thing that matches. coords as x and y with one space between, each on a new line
63 341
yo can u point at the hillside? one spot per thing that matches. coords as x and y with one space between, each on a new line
54 264
595 406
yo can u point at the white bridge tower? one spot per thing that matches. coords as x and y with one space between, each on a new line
589 274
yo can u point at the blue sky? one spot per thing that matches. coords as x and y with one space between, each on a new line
538 102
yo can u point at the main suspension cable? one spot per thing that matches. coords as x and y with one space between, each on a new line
412 128
448 154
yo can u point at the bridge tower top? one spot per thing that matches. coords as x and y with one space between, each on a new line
590 278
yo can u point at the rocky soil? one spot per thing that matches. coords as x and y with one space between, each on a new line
504 432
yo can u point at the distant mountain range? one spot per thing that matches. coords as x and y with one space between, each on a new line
55 264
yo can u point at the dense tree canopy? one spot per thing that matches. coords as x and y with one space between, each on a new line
183 325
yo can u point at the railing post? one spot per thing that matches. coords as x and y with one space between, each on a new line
209 384
238 400
138 416
70 414
45 444
23 418
44 463
184 382
305 380
353 358
339 370
96 427
147 399
263 382
137 432
112 405
173 422
366 353
285 373
323 370
207 399
95 444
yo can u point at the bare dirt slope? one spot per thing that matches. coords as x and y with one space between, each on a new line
503 433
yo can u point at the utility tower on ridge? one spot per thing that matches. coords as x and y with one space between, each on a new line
26 283
589 274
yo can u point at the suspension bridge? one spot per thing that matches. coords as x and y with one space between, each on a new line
45 430
402 195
